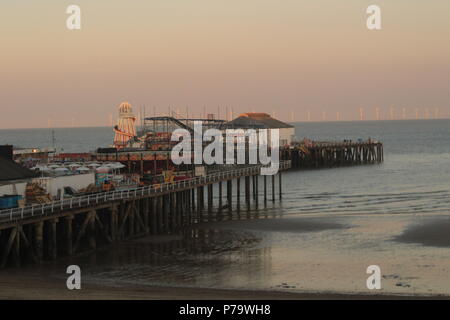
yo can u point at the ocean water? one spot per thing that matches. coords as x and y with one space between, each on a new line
415 176
330 225
65 139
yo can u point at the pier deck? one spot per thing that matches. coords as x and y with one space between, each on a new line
62 228
333 154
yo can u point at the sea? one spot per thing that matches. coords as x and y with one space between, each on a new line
414 176
326 218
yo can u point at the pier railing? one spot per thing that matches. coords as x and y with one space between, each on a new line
54 207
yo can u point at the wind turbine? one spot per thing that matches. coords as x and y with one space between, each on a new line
436 113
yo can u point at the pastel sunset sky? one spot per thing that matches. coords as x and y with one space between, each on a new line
286 57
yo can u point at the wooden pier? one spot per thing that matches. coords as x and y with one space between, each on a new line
327 155
63 228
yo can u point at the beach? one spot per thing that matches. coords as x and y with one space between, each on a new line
20 288
290 257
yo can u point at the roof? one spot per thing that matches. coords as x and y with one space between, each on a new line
10 170
257 120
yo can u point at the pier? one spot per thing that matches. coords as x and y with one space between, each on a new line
155 196
37 233
333 154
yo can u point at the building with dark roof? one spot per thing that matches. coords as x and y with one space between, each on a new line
11 171
13 177
259 120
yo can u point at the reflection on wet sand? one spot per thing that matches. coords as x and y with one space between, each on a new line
290 253
198 256
226 254
432 232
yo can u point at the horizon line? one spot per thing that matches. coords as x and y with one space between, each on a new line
299 121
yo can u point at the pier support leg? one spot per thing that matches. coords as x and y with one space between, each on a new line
200 194
114 222
52 241
120 216
265 190
26 241
230 195
254 187
16 248
131 222
173 211
11 240
68 236
238 194
273 188
166 212
146 213
160 214
210 199
39 240
138 212
279 180
220 199
180 208
153 219
256 190
91 231
188 207
247 191
192 200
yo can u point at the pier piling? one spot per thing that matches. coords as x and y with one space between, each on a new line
75 225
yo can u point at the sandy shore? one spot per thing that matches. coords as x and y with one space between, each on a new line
305 258
432 232
16 287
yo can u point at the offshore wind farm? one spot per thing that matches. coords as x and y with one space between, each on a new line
299 114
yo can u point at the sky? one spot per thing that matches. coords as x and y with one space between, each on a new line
297 60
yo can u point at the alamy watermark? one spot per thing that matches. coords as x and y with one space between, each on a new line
374 280
73 22
74 280
230 146
374 20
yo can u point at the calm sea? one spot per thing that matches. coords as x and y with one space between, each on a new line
415 176
330 225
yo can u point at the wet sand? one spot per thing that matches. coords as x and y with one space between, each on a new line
291 257
17 287
433 232
286 224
